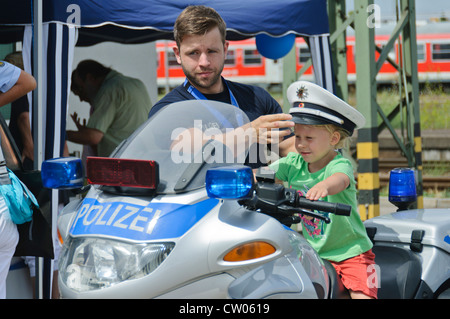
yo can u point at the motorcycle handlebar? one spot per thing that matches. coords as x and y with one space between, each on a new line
335 208
285 203
275 198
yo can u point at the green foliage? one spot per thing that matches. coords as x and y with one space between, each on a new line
434 106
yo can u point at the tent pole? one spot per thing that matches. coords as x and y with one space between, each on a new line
37 116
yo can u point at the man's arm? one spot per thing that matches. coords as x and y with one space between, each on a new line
23 122
263 126
85 136
287 146
24 84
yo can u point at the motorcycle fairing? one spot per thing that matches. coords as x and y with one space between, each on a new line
131 221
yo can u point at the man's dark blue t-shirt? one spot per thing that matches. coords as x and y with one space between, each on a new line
253 100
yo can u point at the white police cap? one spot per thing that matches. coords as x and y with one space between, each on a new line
314 105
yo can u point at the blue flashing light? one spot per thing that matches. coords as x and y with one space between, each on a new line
62 173
232 182
402 186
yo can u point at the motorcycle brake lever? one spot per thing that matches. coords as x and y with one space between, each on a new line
327 220
294 210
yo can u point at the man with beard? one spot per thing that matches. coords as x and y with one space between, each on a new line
201 50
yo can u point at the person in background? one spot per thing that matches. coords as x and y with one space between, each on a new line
20 128
19 124
120 104
14 83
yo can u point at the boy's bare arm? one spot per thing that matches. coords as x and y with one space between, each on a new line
332 185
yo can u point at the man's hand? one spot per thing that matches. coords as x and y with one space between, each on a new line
268 127
23 123
77 121
84 135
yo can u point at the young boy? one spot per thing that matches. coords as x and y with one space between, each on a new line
319 171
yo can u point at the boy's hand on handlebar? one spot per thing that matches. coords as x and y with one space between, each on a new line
331 185
318 191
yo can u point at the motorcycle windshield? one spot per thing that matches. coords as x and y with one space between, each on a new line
186 139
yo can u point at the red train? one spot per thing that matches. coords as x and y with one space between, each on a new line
245 64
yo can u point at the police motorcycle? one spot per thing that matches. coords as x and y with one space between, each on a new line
173 214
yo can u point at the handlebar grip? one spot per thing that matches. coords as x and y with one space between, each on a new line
335 208
343 209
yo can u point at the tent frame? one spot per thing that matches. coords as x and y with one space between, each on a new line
43 96
367 68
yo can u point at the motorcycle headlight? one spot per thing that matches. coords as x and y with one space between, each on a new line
93 263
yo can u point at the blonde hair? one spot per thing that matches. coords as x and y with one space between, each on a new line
343 134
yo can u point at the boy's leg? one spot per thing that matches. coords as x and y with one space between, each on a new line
358 275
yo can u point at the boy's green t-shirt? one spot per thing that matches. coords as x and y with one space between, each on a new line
344 237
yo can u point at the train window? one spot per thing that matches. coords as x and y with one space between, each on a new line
231 58
421 52
441 51
172 60
303 55
252 56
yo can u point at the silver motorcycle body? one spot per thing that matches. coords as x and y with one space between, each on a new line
175 241
412 249
201 228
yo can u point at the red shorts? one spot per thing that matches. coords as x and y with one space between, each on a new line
359 273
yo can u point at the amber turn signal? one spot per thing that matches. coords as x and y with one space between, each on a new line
249 251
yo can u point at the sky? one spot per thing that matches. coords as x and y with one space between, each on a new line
424 8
